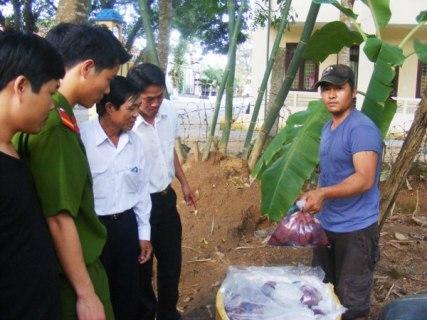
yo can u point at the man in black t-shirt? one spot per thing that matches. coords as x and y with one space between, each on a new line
30 70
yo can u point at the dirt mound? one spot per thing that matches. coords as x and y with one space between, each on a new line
221 232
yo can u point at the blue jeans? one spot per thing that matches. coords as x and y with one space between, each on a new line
412 307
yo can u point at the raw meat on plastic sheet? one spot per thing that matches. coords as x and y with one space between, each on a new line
278 293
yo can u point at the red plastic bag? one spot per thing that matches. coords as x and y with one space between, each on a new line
299 229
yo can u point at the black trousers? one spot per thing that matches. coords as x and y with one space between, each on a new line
120 259
349 265
166 235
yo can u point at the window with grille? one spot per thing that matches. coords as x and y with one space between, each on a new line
307 74
421 78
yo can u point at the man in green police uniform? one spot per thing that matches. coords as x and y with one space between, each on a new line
57 160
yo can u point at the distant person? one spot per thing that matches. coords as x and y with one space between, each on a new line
56 157
347 200
158 128
120 186
30 70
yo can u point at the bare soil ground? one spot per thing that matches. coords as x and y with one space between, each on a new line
222 232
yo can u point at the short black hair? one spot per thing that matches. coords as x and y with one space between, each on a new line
28 55
79 42
121 89
146 74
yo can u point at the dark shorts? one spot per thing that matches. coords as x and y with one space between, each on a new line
349 264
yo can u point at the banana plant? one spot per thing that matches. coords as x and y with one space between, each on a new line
290 159
280 188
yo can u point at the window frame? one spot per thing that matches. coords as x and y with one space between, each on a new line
288 58
419 73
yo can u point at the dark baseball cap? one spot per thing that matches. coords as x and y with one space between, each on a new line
336 74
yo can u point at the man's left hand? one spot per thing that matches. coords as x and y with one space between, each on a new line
146 251
189 197
313 200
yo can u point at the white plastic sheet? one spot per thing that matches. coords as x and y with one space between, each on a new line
279 293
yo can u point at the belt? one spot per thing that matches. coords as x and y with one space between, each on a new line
115 216
163 192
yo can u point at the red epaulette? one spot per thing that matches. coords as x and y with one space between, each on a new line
68 121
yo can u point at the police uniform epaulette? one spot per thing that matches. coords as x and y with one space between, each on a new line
68 121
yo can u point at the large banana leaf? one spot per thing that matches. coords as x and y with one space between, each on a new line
377 104
372 48
282 181
337 35
284 137
380 10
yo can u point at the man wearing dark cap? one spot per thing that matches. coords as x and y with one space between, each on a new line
347 199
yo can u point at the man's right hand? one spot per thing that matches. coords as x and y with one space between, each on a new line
89 307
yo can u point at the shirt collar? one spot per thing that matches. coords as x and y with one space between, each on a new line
101 136
161 114
61 102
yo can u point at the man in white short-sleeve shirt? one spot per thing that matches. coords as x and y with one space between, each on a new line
157 127
121 191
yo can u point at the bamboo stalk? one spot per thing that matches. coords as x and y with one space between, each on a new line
223 81
229 88
286 85
263 86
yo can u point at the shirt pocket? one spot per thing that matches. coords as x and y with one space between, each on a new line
132 178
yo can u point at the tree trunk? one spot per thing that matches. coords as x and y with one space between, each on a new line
286 85
263 86
405 158
229 88
18 15
165 18
151 51
133 33
75 11
344 55
29 18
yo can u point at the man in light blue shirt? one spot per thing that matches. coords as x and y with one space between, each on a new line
347 199
120 185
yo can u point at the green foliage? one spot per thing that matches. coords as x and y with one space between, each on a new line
212 76
202 20
261 14
377 104
337 35
177 72
422 17
421 50
291 159
33 15
372 48
347 11
380 11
